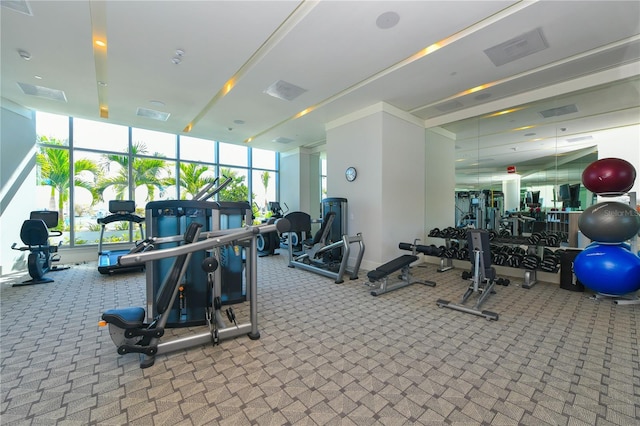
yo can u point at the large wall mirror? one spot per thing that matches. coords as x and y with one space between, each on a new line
544 146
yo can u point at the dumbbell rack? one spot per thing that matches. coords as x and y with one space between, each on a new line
536 246
446 263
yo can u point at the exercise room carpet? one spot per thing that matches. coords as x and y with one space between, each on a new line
328 354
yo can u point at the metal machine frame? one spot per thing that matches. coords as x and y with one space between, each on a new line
145 339
482 280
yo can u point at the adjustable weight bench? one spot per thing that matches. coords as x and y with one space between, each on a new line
483 278
403 263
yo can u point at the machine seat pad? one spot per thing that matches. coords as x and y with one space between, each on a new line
125 318
391 266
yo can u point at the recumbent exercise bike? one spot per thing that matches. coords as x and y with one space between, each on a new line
35 233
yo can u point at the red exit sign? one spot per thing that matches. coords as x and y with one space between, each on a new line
511 169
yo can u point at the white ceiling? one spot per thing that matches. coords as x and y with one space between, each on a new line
336 52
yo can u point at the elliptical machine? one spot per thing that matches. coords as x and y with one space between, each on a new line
269 242
35 233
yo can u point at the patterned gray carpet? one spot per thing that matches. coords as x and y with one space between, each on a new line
329 354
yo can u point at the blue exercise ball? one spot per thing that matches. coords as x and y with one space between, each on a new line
608 269
609 222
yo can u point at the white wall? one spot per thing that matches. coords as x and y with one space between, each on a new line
358 144
386 201
299 181
17 184
403 184
290 179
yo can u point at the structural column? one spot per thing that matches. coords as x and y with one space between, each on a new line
386 201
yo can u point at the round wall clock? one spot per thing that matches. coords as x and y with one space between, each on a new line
351 174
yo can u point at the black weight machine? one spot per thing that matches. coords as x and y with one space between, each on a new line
483 278
121 211
380 276
128 329
35 233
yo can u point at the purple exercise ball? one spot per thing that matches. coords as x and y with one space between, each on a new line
609 176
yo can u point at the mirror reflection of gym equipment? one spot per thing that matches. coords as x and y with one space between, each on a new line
479 209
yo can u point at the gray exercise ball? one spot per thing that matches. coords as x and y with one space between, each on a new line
609 222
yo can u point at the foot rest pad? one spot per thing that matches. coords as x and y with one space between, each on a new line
132 317
391 266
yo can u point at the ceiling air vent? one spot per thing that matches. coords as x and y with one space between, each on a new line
43 92
555 112
283 90
282 139
153 114
18 6
518 47
448 106
580 139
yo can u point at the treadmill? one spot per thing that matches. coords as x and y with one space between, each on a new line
121 211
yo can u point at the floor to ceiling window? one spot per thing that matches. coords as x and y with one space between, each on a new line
83 164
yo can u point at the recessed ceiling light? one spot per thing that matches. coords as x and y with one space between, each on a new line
387 20
238 121
157 103
177 57
283 140
24 54
37 77
102 83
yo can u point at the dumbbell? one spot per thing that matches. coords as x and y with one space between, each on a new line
463 253
451 253
466 275
530 261
549 264
553 241
518 250
514 261
500 259
535 238
503 281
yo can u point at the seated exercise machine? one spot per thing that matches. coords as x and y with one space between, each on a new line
320 255
268 243
35 233
131 334
483 276
121 211
380 276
